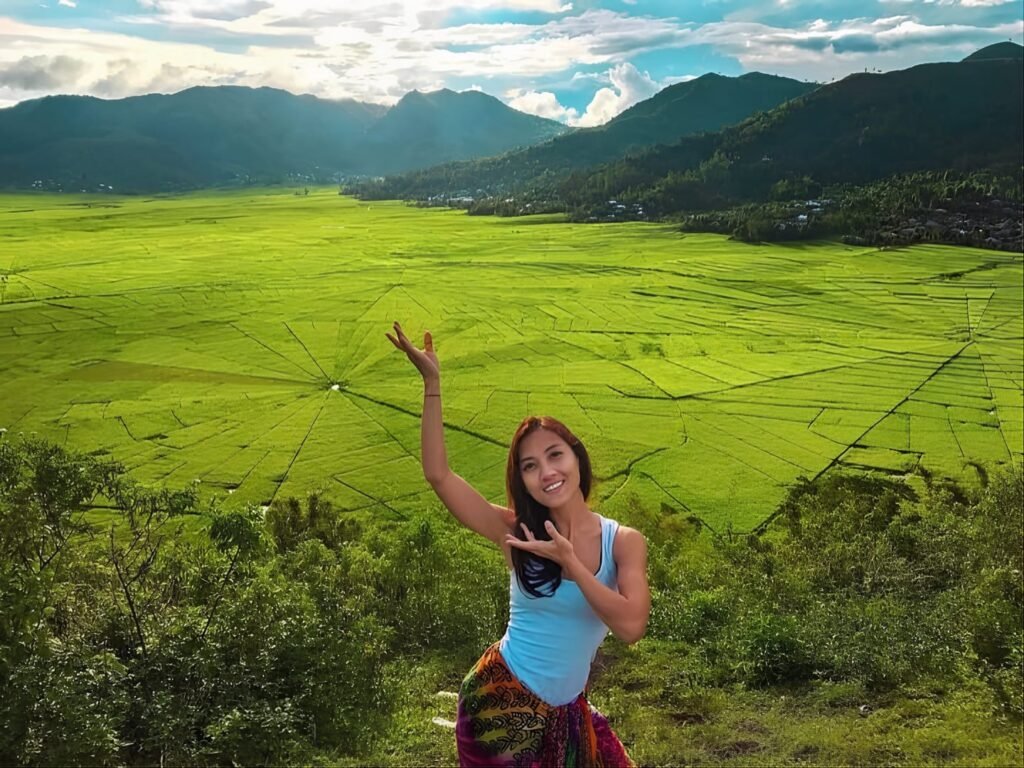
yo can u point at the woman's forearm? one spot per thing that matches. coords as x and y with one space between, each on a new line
433 455
625 618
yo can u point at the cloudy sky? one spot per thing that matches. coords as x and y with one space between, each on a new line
578 61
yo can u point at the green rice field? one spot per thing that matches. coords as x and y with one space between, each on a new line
237 338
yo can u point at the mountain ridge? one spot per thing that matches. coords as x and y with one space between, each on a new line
210 135
705 103
959 116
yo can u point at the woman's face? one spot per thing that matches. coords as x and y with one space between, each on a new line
549 468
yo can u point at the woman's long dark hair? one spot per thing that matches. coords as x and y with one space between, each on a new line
533 572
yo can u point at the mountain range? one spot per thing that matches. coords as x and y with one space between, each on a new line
208 136
959 116
694 144
707 103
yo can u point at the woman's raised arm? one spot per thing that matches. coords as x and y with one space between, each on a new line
465 503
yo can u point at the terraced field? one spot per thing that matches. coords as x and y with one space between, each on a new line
238 338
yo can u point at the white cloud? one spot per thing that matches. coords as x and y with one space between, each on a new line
40 72
37 60
377 50
837 48
67 3
362 49
976 3
265 12
541 103
628 86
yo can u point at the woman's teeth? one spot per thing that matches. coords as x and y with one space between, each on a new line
554 487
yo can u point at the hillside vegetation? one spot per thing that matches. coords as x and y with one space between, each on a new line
820 162
958 116
866 623
706 103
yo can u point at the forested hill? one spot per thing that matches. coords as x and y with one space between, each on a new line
961 116
706 103
428 128
208 136
1007 50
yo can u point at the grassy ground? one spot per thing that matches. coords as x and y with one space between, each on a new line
238 338
663 721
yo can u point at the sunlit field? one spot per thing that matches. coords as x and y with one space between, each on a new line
238 339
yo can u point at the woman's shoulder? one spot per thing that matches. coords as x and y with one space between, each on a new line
620 529
629 543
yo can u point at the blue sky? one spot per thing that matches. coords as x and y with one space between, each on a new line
580 62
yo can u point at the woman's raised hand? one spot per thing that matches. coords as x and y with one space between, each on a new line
424 359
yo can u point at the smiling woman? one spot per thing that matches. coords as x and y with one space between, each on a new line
574 575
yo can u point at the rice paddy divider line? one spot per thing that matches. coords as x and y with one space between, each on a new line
583 410
707 393
388 432
376 302
895 308
593 355
986 409
337 347
629 467
265 433
619 487
821 410
169 472
302 344
415 301
52 303
995 405
271 349
301 446
892 410
416 415
988 303
1005 322
780 438
66 293
252 468
955 438
763 525
694 370
889 352
374 499
1019 385
125 425
652 381
826 319
663 489
749 445
353 349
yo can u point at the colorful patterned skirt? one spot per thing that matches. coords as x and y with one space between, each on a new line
502 723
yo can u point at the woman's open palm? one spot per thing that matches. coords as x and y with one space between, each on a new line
424 359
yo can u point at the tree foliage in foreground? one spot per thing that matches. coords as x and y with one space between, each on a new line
140 627
183 635
856 578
